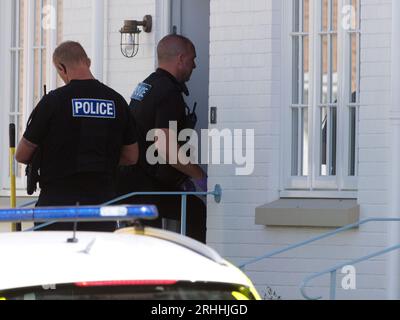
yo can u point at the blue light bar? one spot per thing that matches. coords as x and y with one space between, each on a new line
84 213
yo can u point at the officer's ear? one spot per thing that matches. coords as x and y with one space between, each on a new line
180 58
61 68
89 62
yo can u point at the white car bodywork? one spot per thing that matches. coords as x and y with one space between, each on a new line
46 258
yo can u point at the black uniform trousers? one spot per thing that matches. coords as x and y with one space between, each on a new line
85 190
169 207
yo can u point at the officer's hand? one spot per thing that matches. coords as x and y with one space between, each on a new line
202 184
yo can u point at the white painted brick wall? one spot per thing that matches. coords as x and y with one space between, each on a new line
245 85
77 22
246 88
375 104
122 74
374 113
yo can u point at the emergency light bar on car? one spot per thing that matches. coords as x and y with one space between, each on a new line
84 213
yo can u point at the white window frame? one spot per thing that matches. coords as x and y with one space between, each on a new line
315 185
28 78
6 21
4 67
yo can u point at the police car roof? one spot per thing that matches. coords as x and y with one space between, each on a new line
36 259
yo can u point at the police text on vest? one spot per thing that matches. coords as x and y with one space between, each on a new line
93 108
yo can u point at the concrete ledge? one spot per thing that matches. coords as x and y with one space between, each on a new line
5 201
332 213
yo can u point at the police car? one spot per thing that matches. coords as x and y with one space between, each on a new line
134 263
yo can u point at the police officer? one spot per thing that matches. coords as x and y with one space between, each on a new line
82 130
156 103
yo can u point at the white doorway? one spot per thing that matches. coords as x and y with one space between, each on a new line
191 18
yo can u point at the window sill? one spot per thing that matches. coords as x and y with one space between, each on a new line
319 194
326 213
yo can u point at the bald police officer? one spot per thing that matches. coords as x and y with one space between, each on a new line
157 102
84 130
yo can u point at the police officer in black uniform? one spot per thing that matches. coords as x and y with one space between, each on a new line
82 132
155 103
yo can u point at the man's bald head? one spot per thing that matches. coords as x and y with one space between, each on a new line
176 54
72 62
172 46
70 54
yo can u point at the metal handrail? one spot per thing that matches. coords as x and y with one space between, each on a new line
217 193
314 239
333 271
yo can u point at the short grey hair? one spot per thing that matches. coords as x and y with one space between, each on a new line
173 45
69 53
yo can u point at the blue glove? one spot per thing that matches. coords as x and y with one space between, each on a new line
202 184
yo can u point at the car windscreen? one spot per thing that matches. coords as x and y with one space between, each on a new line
135 290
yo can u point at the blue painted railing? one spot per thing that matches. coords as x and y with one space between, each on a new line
334 269
216 193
